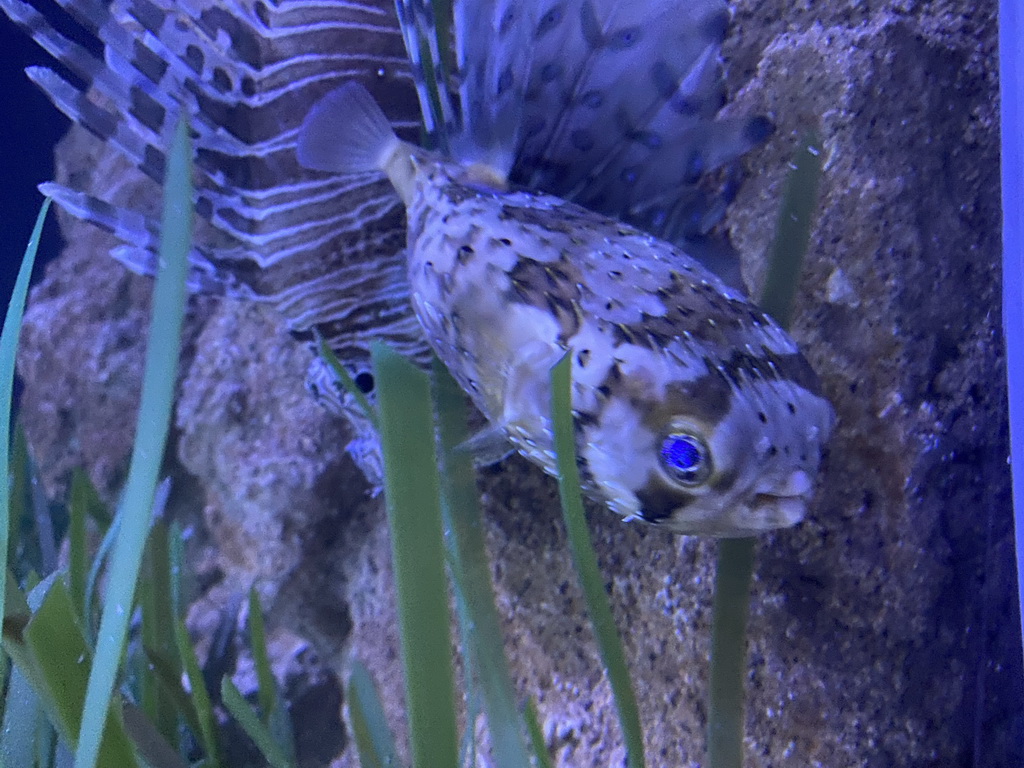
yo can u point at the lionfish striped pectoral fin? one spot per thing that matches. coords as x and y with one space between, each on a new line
140 236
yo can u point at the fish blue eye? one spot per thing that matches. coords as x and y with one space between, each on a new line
685 458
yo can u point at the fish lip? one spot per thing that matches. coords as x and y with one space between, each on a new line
780 510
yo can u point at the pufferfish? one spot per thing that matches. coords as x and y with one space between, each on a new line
693 409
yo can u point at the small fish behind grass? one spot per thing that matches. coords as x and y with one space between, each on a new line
693 409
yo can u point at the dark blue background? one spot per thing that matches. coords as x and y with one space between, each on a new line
29 127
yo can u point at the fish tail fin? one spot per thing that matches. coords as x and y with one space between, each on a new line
346 132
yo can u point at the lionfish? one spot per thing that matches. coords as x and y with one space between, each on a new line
558 205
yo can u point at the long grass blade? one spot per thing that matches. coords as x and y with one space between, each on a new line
792 231
78 557
274 712
412 492
472 575
200 697
151 435
157 615
733 569
374 741
608 642
8 350
735 563
540 748
21 714
250 722
57 656
258 647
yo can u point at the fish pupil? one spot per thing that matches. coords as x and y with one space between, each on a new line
685 457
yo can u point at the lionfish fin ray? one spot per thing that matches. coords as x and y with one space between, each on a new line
140 235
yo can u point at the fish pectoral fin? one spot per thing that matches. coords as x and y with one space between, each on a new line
488 446
528 390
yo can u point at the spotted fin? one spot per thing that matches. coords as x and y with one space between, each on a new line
620 113
616 108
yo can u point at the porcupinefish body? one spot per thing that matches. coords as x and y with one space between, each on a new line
693 409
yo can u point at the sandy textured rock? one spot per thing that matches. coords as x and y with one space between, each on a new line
883 630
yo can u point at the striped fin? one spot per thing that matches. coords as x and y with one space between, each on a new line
323 249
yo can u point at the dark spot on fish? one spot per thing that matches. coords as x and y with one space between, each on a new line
582 140
262 13
221 80
694 167
148 111
791 408
550 71
773 451
762 417
723 481
153 162
582 358
624 38
649 139
465 254
151 64
549 21
593 99
623 334
505 82
758 129
666 82
194 58
507 21
244 42
248 86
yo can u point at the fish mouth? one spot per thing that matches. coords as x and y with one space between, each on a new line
784 504
779 511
